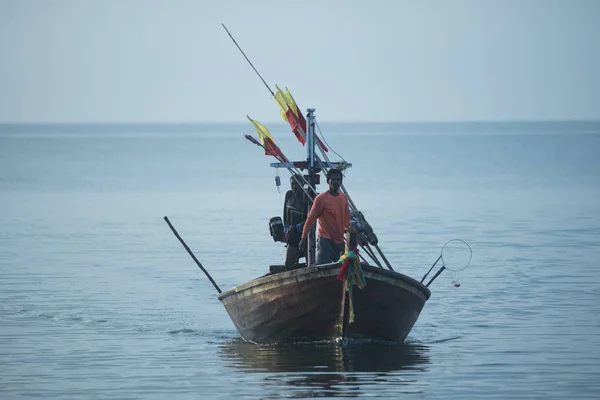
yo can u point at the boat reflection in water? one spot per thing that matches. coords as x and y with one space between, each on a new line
331 369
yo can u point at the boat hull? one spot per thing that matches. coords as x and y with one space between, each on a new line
310 304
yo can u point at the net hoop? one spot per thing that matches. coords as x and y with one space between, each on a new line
470 255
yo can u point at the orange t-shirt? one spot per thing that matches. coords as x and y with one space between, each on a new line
333 214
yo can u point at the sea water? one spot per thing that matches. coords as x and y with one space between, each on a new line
98 299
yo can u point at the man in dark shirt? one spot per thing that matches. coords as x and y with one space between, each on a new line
295 210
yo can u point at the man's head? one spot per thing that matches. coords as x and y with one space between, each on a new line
334 179
295 184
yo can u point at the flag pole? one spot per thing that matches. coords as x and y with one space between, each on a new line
295 172
310 158
247 59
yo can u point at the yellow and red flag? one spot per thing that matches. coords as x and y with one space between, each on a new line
290 112
280 99
271 149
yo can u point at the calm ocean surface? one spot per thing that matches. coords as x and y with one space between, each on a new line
99 300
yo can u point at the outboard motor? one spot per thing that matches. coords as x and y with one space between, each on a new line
276 229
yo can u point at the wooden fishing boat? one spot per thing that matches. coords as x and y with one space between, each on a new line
317 302
321 302
311 304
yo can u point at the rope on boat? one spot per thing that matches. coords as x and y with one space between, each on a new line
351 274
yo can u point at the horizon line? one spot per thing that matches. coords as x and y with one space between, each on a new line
171 123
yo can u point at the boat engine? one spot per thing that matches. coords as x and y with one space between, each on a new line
276 229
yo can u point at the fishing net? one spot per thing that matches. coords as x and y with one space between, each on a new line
456 255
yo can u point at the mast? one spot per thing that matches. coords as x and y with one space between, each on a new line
313 175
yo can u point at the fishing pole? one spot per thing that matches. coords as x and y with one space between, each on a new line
434 264
185 246
370 252
253 67
258 73
247 59
273 94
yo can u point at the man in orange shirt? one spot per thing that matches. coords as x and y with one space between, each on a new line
333 213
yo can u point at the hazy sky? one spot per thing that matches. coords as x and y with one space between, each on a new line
171 61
